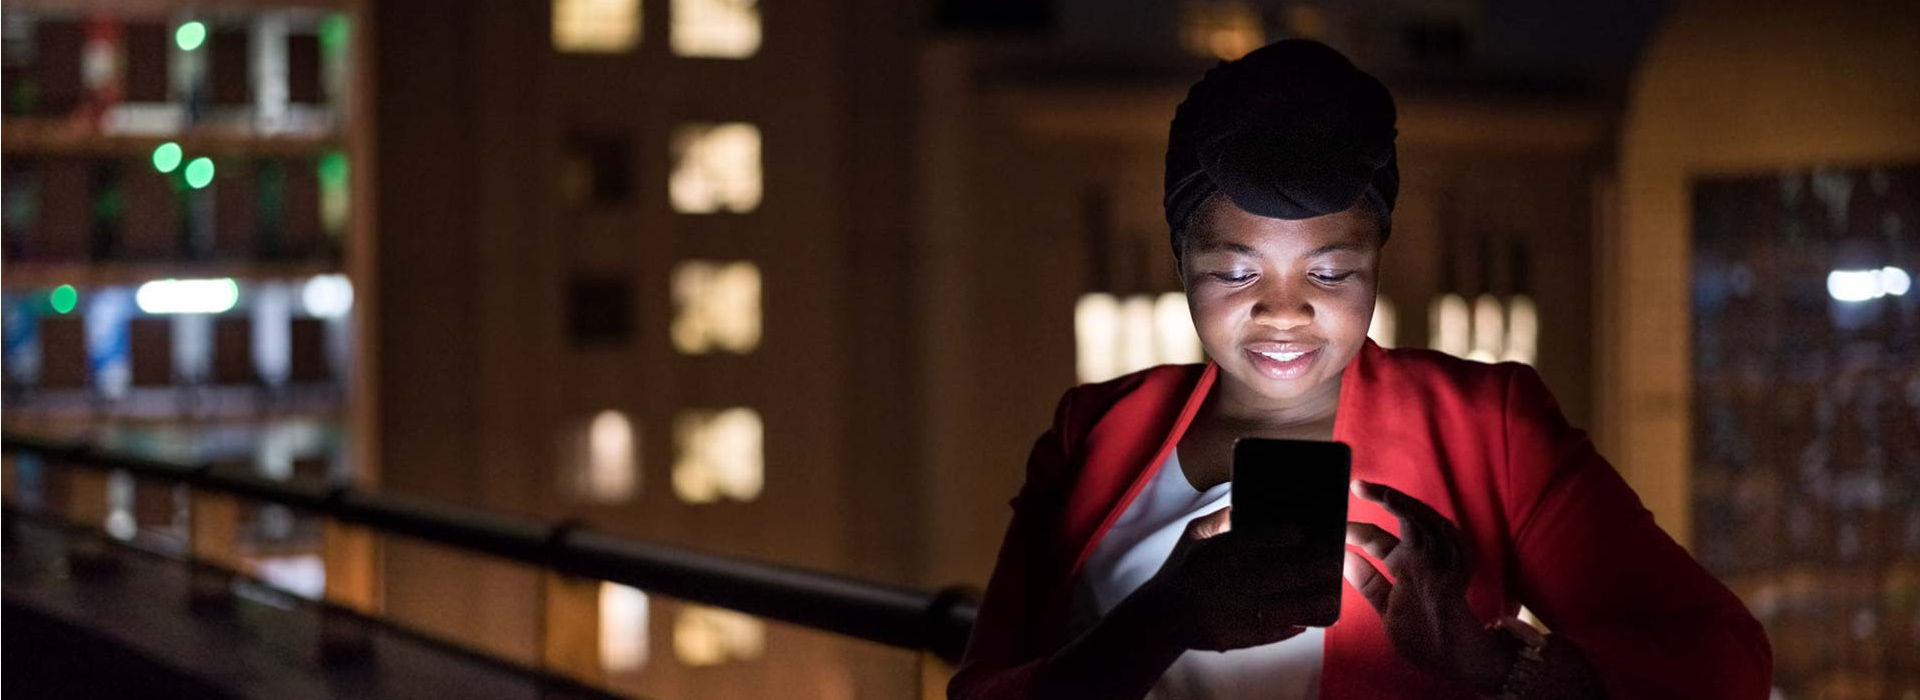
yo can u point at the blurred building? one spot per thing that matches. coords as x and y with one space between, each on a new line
179 236
802 280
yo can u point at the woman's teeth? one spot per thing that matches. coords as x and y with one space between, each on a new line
1283 356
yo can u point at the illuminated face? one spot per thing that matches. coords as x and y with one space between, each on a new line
1281 305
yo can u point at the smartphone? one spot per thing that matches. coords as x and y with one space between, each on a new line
1297 486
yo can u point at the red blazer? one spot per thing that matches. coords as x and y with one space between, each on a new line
1553 527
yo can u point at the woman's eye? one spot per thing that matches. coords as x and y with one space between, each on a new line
1330 278
1233 277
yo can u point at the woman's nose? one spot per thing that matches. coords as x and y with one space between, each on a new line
1283 306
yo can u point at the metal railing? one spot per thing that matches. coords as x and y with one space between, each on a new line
928 623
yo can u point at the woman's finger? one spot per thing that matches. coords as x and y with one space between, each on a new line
1367 579
1214 523
1421 527
1413 530
1371 538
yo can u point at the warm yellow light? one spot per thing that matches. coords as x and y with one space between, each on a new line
1173 332
704 636
623 628
1096 333
1489 329
1136 333
716 167
716 28
1116 335
716 307
596 26
1223 29
1385 325
1450 325
611 466
1523 330
720 454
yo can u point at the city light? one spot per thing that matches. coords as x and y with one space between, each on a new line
63 299
174 296
1385 325
595 26
190 36
704 636
166 157
1867 285
327 296
200 172
1450 325
720 455
716 28
716 167
716 307
610 457
623 628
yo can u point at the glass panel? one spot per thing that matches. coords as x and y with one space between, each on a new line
1806 419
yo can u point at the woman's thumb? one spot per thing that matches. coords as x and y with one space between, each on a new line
1211 524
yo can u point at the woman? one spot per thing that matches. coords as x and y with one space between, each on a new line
1120 577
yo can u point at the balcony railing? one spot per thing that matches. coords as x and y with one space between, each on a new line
933 626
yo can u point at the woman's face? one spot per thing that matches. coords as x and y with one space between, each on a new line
1281 305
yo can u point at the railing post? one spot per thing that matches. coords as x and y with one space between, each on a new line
570 627
10 494
85 503
213 526
935 672
351 554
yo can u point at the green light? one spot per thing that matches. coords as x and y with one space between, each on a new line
333 33
167 156
200 172
64 298
333 169
190 36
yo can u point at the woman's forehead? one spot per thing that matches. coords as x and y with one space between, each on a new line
1228 228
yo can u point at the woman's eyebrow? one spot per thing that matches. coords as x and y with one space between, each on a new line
1332 248
1210 246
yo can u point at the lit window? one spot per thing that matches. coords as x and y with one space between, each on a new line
1173 332
716 28
304 575
1223 29
596 26
704 636
1114 336
623 628
716 307
606 452
1523 330
1489 329
716 167
1385 324
720 455
172 296
327 296
1451 325
120 523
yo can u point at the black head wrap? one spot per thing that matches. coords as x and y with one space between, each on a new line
1291 131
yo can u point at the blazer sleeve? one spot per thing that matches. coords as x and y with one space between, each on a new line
1593 565
1003 650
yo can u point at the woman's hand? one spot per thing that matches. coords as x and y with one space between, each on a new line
1424 604
1217 591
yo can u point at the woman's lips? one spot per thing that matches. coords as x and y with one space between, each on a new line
1282 360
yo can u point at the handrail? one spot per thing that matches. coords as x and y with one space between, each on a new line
892 615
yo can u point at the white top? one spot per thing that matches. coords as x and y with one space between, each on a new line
1133 550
